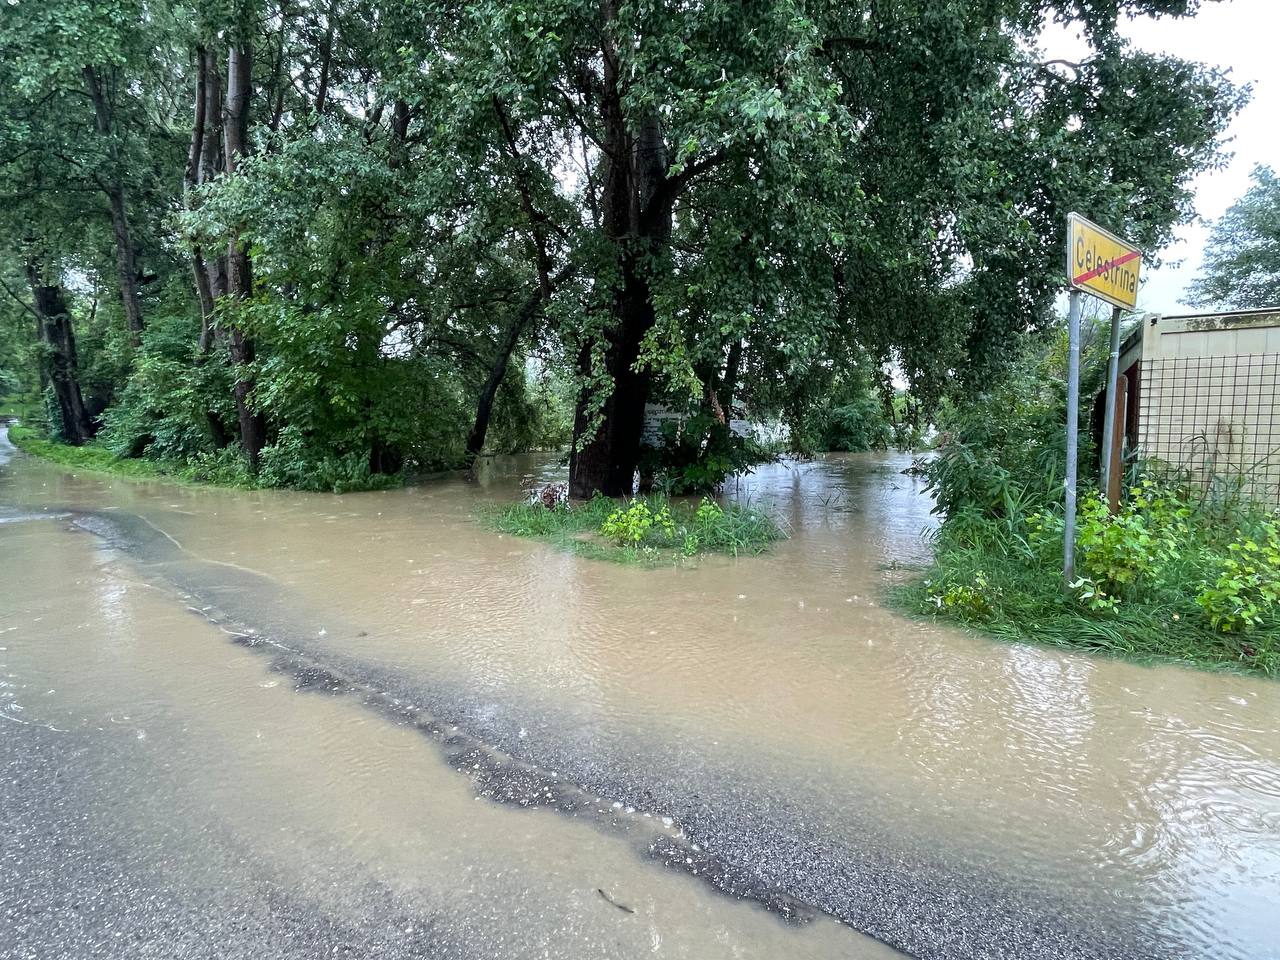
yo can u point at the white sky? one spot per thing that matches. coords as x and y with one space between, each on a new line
1244 37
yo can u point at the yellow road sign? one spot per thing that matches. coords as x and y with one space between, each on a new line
1101 264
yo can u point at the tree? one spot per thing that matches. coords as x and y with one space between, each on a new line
1242 259
755 189
387 209
60 365
87 94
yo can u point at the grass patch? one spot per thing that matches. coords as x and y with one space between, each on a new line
648 530
26 410
1186 601
225 471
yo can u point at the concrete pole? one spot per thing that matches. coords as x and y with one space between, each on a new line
1109 413
1073 440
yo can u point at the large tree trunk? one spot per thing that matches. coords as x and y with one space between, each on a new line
638 222
606 463
60 366
253 431
113 187
209 164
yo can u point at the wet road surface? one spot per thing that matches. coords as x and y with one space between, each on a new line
275 724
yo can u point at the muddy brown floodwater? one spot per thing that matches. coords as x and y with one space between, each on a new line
553 756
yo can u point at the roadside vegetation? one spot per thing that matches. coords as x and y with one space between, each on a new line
1180 572
650 530
227 471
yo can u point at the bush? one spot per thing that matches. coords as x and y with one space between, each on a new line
1167 576
852 424
1246 593
293 462
171 410
644 529
631 525
1002 452
1177 572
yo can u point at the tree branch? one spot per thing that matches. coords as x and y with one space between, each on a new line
18 300
671 186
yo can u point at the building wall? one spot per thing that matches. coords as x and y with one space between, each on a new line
1210 398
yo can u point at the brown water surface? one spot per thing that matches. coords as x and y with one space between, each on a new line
1115 796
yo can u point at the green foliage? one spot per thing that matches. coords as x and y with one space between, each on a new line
532 412
168 410
697 455
27 408
1242 258
1002 450
973 600
631 525
1176 572
645 530
226 468
293 462
1246 593
849 417
1169 575
835 186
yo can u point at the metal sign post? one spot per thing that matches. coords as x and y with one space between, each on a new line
1109 413
1073 440
1101 264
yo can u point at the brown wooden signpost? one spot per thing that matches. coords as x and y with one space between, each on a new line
1113 454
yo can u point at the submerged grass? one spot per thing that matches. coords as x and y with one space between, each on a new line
694 529
223 472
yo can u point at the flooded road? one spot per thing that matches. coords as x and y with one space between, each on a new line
367 723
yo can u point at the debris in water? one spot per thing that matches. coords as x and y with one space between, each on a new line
621 906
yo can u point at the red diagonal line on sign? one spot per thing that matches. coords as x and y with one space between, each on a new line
1099 271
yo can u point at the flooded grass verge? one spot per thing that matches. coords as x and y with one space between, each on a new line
91 456
645 530
1016 600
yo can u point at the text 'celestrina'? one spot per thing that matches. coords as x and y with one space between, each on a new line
1102 264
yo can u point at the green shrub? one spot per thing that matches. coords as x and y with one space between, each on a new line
171 409
634 523
1169 575
291 461
843 410
1246 592
648 529
1002 451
